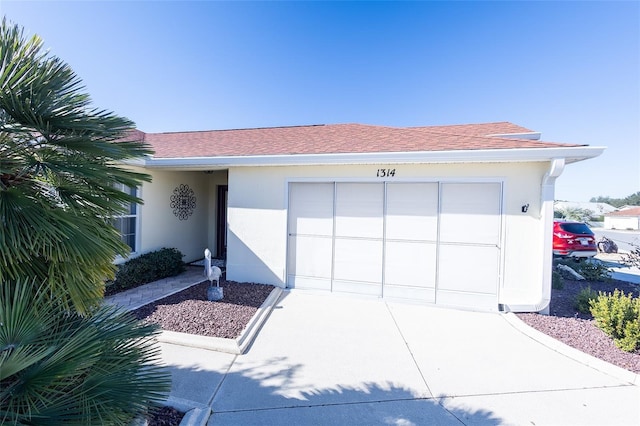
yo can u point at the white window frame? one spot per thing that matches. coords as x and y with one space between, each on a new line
136 216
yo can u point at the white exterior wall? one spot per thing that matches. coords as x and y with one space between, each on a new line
618 222
257 240
159 227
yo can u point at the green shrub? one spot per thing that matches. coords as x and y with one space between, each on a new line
557 282
591 270
583 299
619 317
594 270
166 262
632 258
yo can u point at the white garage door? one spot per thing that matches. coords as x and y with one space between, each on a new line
469 244
433 242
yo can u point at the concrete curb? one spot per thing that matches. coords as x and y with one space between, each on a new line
195 414
196 417
573 353
233 346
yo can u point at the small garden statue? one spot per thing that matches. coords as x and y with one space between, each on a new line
213 274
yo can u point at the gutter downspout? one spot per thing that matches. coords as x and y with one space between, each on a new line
547 197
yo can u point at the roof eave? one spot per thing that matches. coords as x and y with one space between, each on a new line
570 154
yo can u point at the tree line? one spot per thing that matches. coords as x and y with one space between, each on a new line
631 200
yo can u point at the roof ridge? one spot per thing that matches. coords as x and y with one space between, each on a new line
491 136
449 129
238 129
427 128
464 124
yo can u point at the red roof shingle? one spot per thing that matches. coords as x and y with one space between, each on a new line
339 139
479 129
633 211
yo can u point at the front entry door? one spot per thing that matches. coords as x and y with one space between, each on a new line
221 225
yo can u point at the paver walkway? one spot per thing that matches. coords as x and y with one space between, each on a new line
147 293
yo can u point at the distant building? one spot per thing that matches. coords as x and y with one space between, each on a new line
596 209
628 218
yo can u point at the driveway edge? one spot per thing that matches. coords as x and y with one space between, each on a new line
573 353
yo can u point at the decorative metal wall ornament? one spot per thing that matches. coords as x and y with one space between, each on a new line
183 202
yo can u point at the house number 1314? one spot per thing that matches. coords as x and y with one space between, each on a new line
386 172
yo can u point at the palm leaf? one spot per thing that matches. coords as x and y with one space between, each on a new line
58 172
58 366
63 358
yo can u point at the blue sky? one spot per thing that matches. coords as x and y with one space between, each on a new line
570 70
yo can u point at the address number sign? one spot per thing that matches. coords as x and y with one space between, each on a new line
386 173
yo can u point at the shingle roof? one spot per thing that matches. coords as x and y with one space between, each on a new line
339 139
479 129
633 211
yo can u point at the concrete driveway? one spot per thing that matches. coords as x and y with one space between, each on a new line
325 359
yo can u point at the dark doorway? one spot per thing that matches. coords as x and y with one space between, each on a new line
221 226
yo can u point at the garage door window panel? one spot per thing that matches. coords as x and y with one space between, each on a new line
359 208
410 264
479 273
470 213
358 260
412 212
314 257
311 212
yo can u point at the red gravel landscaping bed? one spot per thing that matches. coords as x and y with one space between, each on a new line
165 416
189 311
578 330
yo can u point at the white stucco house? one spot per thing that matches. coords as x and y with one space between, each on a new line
628 218
457 216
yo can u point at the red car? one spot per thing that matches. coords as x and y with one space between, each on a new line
573 239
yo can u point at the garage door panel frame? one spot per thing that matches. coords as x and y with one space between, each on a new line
447 294
444 293
305 240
